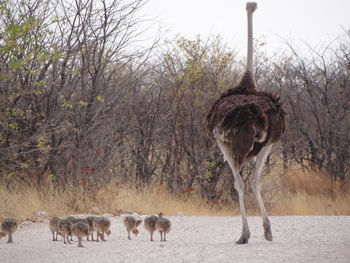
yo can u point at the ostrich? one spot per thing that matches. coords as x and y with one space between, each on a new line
8 227
163 225
150 224
65 230
80 229
90 220
246 123
53 225
131 224
102 225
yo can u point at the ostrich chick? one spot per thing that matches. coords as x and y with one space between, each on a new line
80 230
71 220
102 225
90 220
65 230
163 225
82 220
150 224
131 224
53 225
8 227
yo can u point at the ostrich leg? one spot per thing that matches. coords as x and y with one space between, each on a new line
260 160
10 240
239 186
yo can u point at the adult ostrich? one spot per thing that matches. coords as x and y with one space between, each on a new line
246 123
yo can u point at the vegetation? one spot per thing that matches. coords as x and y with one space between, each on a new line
85 106
296 193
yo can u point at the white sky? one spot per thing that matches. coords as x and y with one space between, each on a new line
316 22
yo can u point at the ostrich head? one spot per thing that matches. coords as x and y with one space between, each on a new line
251 7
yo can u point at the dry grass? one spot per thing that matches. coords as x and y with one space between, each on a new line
310 193
22 202
156 199
294 193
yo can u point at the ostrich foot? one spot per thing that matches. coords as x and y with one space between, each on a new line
244 238
267 231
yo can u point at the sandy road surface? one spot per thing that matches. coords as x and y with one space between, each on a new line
194 239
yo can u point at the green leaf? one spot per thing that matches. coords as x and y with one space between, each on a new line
50 178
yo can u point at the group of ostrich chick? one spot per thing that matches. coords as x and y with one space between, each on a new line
84 227
244 122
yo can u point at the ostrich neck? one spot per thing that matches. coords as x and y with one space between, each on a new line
250 42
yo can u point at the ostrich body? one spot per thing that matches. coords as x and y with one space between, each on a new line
80 230
8 227
78 219
53 225
150 224
131 224
163 225
246 123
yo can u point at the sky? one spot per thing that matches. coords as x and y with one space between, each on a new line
316 22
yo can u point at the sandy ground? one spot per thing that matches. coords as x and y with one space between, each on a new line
194 239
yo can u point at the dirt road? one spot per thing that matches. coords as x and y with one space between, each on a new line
194 239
